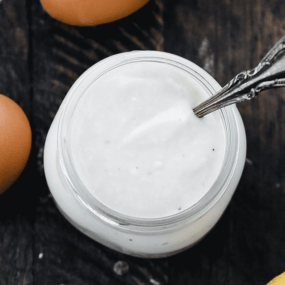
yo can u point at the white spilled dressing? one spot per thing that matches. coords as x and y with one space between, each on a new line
138 147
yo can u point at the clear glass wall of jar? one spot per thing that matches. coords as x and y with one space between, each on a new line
150 238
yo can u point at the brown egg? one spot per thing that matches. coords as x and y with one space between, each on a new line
90 12
15 141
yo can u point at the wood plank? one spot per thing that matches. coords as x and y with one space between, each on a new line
247 245
60 54
17 204
226 37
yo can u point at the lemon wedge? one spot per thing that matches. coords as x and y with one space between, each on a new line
279 280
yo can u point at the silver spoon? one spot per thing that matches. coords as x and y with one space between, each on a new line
269 73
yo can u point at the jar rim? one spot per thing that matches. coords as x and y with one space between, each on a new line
64 150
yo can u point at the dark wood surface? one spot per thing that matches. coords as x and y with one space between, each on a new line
40 59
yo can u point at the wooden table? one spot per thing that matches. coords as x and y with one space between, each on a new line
40 58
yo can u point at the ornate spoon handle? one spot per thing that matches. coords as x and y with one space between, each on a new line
269 73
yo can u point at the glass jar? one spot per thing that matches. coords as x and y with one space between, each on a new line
142 237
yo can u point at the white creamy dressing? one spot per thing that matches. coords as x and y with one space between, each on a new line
138 147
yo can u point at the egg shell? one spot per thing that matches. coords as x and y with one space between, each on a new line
91 12
15 141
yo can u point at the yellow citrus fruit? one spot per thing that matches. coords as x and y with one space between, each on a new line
279 280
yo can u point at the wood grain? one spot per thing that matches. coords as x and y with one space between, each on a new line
17 205
61 54
40 60
226 37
